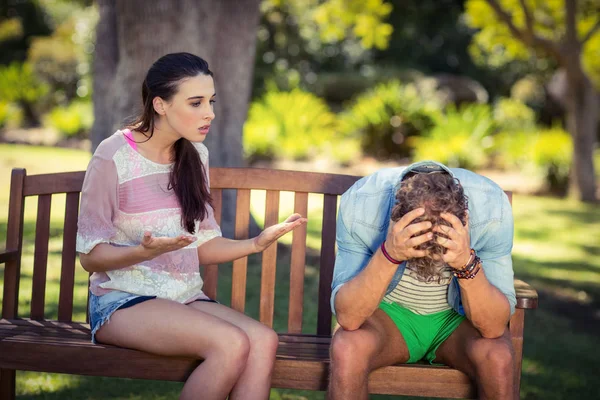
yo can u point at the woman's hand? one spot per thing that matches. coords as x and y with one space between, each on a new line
274 232
153 246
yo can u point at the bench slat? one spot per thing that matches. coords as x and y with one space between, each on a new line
14 241
327 264
40 256
63 182
67 275
297 266
211 272
290 181
240 266
269 262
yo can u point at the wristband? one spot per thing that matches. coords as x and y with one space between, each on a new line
389 258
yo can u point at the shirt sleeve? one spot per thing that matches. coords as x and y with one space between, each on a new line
352 255
495 254
208 228
99 203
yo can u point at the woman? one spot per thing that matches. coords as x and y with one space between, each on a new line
146 223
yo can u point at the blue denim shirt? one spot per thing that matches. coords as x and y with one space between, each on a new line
364 218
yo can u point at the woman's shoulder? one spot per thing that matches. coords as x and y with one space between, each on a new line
202 150
109 146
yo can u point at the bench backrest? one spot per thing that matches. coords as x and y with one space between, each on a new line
302 184
44 186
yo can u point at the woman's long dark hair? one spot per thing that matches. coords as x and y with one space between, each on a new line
188 178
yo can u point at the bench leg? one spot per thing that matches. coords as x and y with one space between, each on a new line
7 384
517 323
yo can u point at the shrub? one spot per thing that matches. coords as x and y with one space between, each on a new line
74 120
293 124
460 137
384 118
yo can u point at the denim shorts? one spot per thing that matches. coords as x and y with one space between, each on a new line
101 308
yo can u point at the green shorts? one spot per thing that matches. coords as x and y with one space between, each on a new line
423 333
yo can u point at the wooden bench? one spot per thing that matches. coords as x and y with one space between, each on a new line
31 342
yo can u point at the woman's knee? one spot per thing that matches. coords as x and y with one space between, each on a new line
232 349
264 340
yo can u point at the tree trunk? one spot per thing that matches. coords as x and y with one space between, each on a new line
133 34
582 106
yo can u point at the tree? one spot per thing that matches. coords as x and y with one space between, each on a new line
563 33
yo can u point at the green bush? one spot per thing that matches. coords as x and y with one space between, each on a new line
3 113
19 85
543 151
384 118
510 114
460 137
74 120
293 124
552 154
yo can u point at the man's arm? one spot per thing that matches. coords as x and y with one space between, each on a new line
485 306
485 301
360 296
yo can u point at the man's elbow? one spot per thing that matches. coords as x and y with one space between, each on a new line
348 323
492 334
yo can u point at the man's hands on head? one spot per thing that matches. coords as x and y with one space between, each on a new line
405 236
401 242
456 240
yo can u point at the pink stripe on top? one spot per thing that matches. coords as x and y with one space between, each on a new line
129 137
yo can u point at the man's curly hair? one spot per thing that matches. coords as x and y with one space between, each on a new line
436 193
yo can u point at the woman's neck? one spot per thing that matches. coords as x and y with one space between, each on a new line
159 148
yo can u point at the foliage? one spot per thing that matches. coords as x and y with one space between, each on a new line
545 152
511 114
460 137
11 116
293 124
62 60
74 120
20 85
20 22
297 39
385 117
495 45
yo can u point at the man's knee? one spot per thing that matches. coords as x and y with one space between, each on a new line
495 355
351 349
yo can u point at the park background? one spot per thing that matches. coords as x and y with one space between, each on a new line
508 88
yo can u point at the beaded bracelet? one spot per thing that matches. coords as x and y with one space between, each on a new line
470 270
386 254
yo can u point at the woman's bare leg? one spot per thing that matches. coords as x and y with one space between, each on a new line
255 381
172 329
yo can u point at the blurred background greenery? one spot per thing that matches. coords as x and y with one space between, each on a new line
352 86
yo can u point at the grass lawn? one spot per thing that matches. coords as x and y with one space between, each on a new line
557 249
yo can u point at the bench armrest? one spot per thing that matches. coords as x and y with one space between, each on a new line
527 297
8 255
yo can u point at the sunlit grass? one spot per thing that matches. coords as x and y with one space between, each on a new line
557 249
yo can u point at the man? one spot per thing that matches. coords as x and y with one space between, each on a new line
423 272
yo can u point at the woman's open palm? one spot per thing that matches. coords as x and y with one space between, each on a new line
274 232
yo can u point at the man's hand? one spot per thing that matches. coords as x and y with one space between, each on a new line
274 232
155 246
400 243
457 240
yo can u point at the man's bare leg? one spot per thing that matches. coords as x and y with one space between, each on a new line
490 362
354 354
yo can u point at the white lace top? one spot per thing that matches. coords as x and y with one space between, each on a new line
125 194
